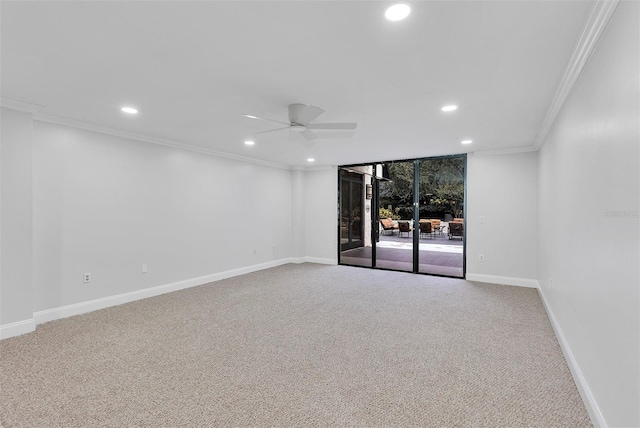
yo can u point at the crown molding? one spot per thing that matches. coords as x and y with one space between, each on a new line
24 106
599 18
507 151
87 126
312 168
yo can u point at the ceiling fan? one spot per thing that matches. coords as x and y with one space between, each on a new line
300 117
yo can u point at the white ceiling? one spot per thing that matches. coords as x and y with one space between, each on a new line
193 68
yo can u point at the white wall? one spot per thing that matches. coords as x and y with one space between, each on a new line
76 201
106 205
588 260
321 216
298 222
16 220
503 190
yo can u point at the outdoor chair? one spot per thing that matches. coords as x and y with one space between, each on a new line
435 225
425 228
388 225
456 229
404 227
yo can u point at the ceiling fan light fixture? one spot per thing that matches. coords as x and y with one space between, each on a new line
397 12
449 108
466 142
311 160
129 110
298 128
249 143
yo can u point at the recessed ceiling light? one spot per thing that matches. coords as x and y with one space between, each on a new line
249 143
129 110
311 160
466 142
249 116
397 12
449 108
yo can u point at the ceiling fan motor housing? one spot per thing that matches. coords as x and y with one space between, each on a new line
294 112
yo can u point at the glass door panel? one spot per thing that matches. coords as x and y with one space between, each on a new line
441 249
353 218
394 248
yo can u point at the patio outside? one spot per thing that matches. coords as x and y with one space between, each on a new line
441 202
438 254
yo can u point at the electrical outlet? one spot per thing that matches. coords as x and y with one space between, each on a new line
86 277
481 257
143 268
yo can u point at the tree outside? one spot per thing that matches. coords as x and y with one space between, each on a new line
441 189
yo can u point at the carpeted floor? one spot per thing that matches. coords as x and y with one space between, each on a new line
298 345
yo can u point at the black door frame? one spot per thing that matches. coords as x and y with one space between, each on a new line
416 212
351 179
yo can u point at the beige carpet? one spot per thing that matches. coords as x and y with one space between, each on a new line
298 345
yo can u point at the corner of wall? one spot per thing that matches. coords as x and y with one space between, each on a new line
503 280
16 218
583 387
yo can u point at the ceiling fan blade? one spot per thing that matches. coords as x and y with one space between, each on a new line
262 118
271 130
308 114
310 136
332 126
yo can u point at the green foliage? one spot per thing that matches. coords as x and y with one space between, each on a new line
389 213
441 188
450 192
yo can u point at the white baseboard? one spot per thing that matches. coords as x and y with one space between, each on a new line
17 328
502 280
583 388
319 260
597 419
27 326
118 299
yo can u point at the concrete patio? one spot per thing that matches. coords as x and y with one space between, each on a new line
437 254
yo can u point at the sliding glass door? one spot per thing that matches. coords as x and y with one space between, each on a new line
410 215
355 216
394 247
441 216
350 211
